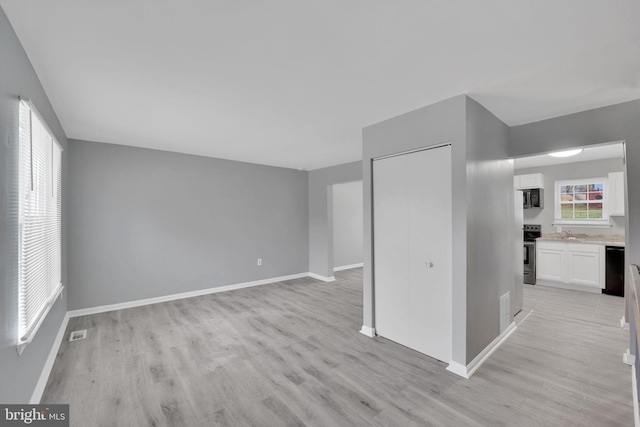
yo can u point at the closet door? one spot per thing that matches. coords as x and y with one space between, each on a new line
413 250
391 252
430 251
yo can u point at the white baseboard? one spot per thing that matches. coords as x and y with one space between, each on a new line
467 371
172 297
624 325
569 286
347 267
458 369
525 317
368 331
323 278
634 391
628 358
48 364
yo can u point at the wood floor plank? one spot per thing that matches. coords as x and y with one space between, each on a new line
289 354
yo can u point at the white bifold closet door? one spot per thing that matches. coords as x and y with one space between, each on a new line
413 250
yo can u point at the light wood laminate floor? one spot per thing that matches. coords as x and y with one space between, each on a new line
289 354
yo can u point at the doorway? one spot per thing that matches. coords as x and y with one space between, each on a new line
347 215
605 163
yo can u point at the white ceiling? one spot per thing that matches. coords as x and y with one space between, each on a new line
292 83
599 152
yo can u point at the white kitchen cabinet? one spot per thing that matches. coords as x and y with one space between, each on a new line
550 261
585 265
532 180
616 194
570 265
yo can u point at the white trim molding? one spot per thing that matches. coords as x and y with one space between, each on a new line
323 278
634 392
22 344
368 331
628 358
48 364
458 369
467 371
348 267
624 325
569 286
172 297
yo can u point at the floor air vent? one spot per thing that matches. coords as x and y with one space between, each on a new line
78 335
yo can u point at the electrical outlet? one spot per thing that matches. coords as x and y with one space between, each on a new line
259 261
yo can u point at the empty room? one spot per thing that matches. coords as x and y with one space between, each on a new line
286 213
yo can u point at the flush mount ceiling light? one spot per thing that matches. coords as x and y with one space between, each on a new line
566 153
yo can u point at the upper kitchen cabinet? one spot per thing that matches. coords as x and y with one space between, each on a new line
616 194
524 182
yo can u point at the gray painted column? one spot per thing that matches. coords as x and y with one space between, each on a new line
443 122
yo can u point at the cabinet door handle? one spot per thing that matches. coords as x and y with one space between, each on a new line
429 264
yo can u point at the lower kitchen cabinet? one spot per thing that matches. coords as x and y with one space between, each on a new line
586 265
550 264
571 265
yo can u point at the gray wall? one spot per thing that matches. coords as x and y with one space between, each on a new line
432 125
347 224
19 374
149 223
490 230
321 183
577 170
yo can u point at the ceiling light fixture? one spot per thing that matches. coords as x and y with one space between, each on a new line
566 153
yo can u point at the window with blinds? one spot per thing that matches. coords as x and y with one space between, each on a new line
39 226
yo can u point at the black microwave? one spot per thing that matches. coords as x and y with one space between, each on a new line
533 198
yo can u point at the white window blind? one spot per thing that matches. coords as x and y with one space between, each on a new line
40 226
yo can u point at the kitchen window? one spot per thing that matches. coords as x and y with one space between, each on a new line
582 202
39 223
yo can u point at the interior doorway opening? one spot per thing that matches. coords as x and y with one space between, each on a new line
346 225
559 215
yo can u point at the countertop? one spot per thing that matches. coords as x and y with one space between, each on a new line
599 239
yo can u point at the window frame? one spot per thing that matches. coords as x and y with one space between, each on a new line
583 222
30 318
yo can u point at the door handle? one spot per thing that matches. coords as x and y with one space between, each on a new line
429 264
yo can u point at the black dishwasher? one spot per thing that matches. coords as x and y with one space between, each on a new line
614 283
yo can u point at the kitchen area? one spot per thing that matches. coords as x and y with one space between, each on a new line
572 219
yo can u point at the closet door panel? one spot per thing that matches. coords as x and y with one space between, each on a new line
391 234
429 222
